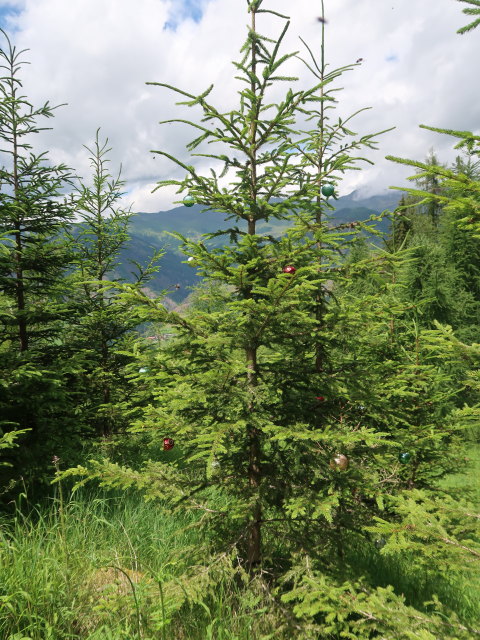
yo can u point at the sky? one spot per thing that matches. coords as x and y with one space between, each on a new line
96 56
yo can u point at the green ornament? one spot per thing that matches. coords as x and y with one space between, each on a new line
405 457
328 190
189 201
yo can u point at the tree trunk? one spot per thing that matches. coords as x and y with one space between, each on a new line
254 546
20 295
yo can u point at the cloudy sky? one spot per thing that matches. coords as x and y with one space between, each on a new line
97 55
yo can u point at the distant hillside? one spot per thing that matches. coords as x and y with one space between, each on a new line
150 232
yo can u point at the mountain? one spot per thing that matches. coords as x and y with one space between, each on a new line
151 231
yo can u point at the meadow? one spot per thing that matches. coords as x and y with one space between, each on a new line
98 565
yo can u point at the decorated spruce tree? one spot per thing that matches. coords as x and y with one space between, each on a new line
293 412
269 396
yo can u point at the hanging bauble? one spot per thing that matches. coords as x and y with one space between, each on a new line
143 370
404 457
380 543
320 398
190 259
289 269
189 201
340 462
168 444
328 190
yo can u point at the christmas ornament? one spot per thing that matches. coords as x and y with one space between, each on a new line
289 269
189 201
380 543
340 462
143 370
168 444
320 398
328 190
405 457
190 259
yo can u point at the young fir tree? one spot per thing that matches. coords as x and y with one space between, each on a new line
33 214
289 405
276 174
462 250
447 252
101 325
458 191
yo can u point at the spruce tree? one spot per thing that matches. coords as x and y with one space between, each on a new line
473 10
454 240
33 210
279 172
34 257
459 191
100 324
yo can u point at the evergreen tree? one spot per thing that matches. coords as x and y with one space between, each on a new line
33 214
454 240
417 215
458 191
100 325
473 10
281 176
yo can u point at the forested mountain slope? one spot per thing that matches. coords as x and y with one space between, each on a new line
151 231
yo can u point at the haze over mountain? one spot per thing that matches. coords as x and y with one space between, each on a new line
151 231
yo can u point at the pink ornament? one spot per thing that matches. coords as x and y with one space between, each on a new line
289 269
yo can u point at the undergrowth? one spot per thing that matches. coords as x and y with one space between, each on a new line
105 566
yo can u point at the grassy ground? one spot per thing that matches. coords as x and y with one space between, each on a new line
100 568
97 568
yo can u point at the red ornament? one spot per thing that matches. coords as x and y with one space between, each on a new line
320 398
289 269
168 444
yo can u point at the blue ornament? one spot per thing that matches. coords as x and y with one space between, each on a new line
405 457
380 543
189 201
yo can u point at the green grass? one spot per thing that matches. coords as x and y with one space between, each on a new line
109 567
468 481
95 569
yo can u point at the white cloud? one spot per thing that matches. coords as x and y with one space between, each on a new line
96 55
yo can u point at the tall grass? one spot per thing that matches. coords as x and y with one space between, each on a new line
94 567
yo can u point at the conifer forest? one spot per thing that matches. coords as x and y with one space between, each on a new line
293 451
